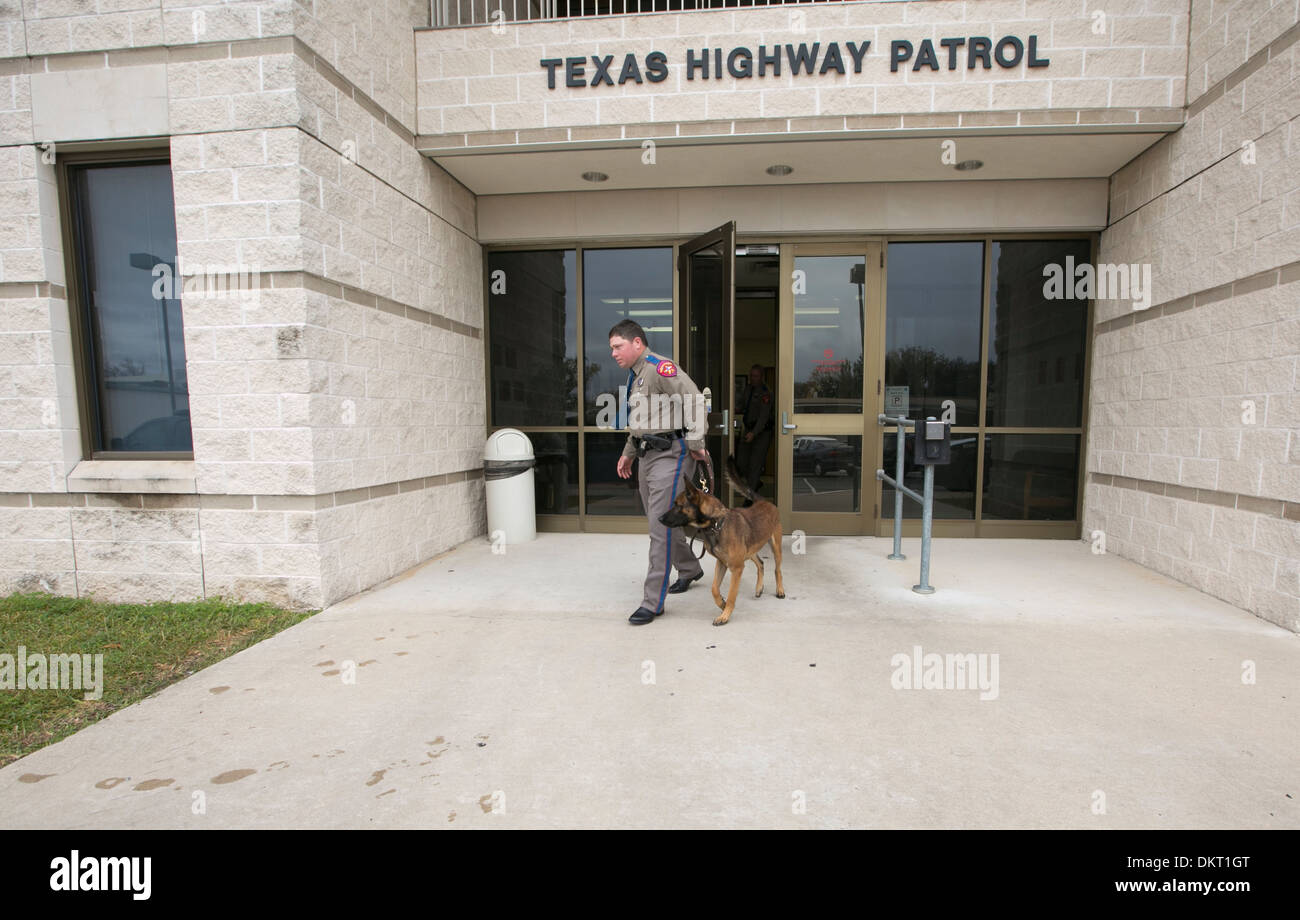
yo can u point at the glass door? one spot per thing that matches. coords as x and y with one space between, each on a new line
829 394
706 269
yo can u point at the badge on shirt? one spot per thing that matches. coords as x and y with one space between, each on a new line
667 369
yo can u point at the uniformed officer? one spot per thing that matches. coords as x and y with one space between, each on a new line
756 409
662 431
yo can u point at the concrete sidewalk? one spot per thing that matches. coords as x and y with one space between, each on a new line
509 691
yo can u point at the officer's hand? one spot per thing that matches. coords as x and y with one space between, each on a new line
749 437
700 454
624 467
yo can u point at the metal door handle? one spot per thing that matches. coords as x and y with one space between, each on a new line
723 424
785 425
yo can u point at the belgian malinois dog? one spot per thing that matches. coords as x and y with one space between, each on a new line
731 535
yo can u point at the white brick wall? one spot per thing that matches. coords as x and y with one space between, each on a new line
474 79
1195 405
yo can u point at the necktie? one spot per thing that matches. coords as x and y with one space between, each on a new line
623 411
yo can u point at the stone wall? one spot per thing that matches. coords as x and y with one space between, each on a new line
1194 449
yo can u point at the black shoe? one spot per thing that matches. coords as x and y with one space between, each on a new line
642 616
682 584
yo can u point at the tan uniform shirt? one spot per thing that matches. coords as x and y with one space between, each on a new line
679 403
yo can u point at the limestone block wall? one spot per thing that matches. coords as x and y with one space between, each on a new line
1194 447
337 408
480 80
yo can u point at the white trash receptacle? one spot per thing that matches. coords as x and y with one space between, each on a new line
508 473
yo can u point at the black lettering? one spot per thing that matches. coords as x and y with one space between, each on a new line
978 50
1034 59
602 69
926 56
573 72
656 67
952 44
832 61
900 50
802 59
1013 42
746 68
774 59
717 62
550 64
702 65
630 70
858 54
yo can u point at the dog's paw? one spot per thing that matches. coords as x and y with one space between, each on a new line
780 594
721 621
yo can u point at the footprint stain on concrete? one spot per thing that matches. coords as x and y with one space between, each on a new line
218 690
400 654
368 661
110 782
35 777
376 777
382 794
279 764
231 776
322 664
485 803
152 784
451 818
329 673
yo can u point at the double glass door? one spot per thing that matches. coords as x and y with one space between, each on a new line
824 300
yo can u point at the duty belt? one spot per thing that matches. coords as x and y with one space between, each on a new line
660 441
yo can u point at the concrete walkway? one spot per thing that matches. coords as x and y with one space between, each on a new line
508 690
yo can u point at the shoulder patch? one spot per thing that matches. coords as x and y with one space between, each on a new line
767 398
667 369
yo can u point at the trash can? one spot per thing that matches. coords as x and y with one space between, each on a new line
508 480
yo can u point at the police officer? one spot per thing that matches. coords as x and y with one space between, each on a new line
662 432
756 409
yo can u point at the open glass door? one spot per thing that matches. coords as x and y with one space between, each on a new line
827 434
706 270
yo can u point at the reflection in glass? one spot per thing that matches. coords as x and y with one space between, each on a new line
622 284
1036 345
954 483
556 484
1031 477
125 236
606 493
707 273
932 339
828 473
533 324
828 330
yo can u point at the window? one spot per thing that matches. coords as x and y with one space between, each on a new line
125 295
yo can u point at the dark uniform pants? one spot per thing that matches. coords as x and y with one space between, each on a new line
662 475
751 456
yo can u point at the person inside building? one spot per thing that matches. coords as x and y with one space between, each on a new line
755 408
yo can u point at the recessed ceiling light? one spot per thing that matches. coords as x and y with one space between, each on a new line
594 176
780 169
967 165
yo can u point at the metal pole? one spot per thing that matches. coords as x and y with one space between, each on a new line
927 514
899 444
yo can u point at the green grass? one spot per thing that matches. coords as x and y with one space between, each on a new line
146 647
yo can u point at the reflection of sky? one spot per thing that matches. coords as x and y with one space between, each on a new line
933 297
128 209
617 274
828 288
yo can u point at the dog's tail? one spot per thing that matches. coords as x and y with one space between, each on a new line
734 477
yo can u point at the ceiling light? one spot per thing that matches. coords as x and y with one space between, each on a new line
595 176
780 169
967 165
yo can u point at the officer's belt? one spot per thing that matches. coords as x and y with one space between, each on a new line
660 441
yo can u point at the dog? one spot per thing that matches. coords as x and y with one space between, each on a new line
731 535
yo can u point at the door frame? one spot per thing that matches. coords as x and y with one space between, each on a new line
863 521
723 411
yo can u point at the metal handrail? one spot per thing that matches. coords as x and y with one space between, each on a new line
926 498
